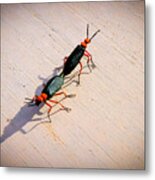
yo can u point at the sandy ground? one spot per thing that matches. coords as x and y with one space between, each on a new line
105 128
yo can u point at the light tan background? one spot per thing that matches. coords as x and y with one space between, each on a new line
105 128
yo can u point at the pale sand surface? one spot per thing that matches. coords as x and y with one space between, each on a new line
105 128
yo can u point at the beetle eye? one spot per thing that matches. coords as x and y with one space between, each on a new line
87 40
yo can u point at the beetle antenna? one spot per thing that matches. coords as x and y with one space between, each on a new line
31 104
87 30
28 99
95 34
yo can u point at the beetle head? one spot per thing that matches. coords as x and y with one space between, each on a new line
87 39
37 100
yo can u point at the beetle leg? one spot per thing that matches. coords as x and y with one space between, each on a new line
31 102
57 102
66 95
60 67
65 59
80 71
59 93
89 56
50 108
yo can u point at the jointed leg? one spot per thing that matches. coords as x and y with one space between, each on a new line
65 59
58 68
87 54
57 102
30 101
80 71
60 93
65 94
50 108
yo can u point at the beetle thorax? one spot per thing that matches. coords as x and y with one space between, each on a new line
85 42
42 97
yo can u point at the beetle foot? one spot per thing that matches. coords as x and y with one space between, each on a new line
71 95
58 68
93 66
78 83
90 70
67 109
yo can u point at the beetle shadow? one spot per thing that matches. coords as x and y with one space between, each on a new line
26 113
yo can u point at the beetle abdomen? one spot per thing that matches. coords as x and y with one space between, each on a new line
53 85
73 60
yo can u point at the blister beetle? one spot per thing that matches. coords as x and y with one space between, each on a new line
74 58
50 89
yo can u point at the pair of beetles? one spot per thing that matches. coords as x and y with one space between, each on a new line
55 83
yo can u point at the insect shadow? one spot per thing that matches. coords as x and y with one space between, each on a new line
26 114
